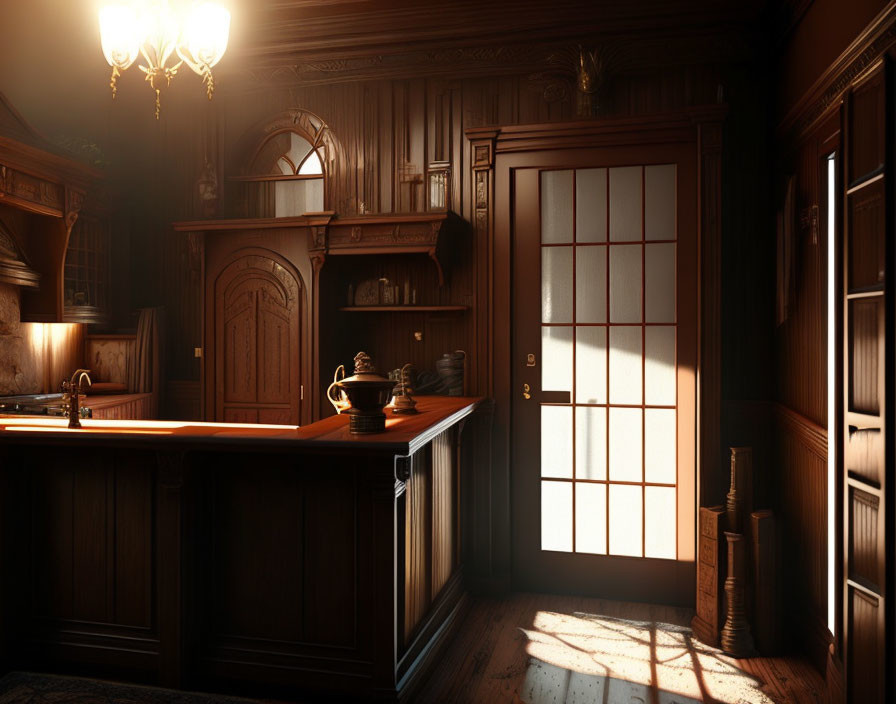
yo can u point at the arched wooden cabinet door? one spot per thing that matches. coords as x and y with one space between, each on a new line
257 352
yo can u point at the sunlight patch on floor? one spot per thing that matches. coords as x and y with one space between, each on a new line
588 658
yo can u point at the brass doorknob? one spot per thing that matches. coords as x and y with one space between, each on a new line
526 390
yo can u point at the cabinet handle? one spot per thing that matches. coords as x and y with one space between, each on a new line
526 390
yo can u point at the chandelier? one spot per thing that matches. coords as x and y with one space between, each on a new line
196 31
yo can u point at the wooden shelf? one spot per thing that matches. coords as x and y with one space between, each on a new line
401 309
876 291
433 234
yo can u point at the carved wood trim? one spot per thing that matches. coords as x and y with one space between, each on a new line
308 43
482 160
426 233
307 220
811 435
31 193
829 89
637 130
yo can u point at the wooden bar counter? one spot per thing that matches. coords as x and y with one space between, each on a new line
235 558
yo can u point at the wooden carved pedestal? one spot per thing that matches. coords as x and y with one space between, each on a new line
736 637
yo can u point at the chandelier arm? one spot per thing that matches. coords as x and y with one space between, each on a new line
151 65
197 67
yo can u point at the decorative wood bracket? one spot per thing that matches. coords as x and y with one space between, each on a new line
424 233
74 199
318 237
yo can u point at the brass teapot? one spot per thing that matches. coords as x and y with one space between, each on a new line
367 393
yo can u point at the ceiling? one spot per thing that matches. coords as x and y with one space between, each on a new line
53 72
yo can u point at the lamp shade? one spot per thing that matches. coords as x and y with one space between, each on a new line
161 29
205 32
119 34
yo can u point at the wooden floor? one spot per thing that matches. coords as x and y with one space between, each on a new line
537 648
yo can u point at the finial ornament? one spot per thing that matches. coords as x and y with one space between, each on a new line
364 364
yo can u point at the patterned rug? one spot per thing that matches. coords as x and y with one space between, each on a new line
36 688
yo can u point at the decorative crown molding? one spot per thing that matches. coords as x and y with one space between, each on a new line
830 87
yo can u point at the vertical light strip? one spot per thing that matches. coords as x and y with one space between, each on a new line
832 383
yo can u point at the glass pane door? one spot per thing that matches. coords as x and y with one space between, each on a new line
609 392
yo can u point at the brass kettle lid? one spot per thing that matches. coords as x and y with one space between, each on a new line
365 373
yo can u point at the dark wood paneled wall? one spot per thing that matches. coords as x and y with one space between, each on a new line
390 132
798 486
801 502
801 340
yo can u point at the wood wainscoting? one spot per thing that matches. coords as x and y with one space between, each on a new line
802 492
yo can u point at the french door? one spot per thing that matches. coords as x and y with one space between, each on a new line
604 371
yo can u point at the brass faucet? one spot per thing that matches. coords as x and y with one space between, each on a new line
71 396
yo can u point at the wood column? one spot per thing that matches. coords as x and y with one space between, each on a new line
487 542
709 365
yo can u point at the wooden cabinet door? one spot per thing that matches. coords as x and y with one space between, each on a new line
868 327
257 334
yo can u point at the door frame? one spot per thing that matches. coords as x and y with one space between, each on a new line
605 575
493 153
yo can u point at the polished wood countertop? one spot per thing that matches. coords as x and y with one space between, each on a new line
404 435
